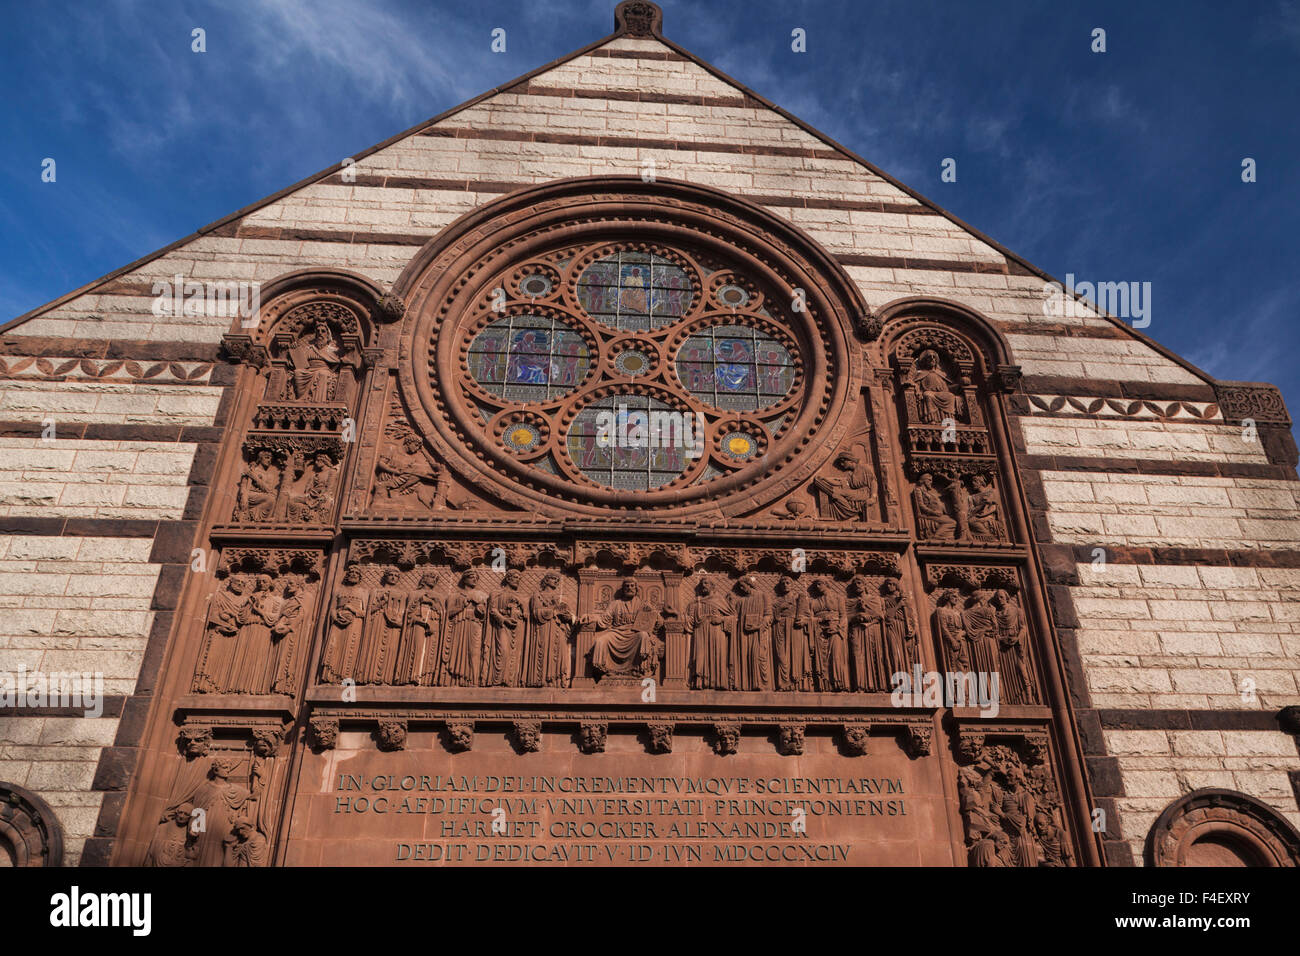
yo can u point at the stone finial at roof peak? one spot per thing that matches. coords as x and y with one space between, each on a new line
638 18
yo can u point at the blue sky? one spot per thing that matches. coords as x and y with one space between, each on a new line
1122 166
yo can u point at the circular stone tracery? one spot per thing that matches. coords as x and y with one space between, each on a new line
662 292
566 351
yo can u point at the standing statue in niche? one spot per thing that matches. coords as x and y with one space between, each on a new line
508 621
346 625
225 611
311 496
627 641
420 659
1013 656
710 619
285 633
466 613
932 518
792 635
847 491
985 519
383 632
974 790
980 621
222 804
1015 804
830 645
316 363
548 663
960 507
869 666
951 632
900 630
248 663
405 471
935 399
751 643
259 489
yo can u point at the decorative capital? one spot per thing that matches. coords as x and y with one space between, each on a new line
461 734
239 348
856 737
1007 378
267 741
195 741
792 739
726 738
638 18
661 738
918 740
528 734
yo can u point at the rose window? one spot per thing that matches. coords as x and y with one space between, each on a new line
627 373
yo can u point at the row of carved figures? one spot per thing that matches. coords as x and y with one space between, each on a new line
747 640
736 638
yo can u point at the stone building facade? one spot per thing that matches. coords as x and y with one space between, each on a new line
369 526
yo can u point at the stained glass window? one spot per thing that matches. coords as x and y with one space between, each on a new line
528 358
634 290
632 442
735 367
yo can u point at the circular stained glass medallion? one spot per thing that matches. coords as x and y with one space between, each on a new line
528 358
632 442
735 367
739 446
535 284
634 290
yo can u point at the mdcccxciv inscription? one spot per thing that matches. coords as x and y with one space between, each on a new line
644 819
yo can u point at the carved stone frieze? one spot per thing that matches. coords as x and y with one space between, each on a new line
258 621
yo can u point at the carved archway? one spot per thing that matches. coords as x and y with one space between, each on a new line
1213 827
30 833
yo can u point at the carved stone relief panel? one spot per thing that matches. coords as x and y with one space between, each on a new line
258 626
224 796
